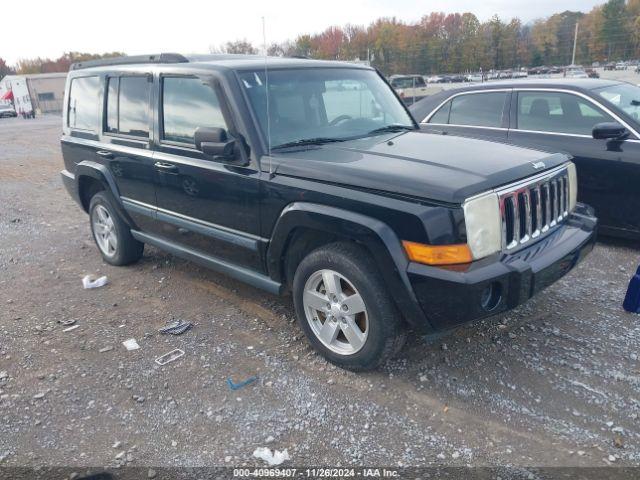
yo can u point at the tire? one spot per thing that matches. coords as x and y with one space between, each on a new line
117 246
331 328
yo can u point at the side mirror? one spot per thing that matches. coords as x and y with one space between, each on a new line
609 131
215 142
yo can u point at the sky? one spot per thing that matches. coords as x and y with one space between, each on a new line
192 26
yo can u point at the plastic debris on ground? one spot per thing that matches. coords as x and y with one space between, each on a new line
68 329
176 327
169 357
632 299
89 282
272 458
238 386
131 344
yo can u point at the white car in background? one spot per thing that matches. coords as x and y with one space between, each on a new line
7 110
574 71
474 77
410 88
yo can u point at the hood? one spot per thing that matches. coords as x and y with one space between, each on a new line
434 167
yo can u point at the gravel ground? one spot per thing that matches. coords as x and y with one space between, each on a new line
554 383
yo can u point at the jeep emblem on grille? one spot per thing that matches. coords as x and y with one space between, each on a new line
538 165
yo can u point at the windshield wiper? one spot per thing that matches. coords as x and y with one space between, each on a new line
391 128
308 141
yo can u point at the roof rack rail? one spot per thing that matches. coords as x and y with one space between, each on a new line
134 59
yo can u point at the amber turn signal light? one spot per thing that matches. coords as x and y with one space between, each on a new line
438 254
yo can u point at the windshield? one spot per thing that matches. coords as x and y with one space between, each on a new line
323 103
624 96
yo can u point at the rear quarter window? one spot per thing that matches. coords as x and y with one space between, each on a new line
84 101
442 115
478 109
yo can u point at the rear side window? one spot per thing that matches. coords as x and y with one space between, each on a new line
84 94
187 103
478 109
128 106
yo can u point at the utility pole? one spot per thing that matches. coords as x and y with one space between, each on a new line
575 42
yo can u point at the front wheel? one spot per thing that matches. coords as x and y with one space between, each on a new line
344 308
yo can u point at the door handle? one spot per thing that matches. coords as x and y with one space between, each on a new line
166 167
104 154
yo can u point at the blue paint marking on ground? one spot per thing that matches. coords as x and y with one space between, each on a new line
238 386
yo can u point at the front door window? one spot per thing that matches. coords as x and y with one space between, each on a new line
558 112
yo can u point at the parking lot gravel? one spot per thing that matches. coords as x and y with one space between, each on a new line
555 382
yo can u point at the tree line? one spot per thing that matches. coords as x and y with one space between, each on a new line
459 42
47 65
443 43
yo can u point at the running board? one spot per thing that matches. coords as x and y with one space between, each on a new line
239 273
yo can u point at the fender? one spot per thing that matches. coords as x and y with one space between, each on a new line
376 236
96 170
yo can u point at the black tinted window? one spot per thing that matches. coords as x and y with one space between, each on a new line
558 113
84 99
128 106
479 109
187 104
133 109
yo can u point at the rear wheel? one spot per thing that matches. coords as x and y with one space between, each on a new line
111 234
344 308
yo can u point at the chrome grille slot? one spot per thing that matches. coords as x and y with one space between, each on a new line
534 207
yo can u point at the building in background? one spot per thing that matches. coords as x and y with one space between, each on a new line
42 92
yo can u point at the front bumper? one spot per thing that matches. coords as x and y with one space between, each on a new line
452 296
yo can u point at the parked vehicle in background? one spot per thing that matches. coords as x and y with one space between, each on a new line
474 77
592 73
410 88
542 70
595 121
575 71
610 66
621 66
522 73
435 79
7 110
316 182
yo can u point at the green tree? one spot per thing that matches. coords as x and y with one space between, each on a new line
614 30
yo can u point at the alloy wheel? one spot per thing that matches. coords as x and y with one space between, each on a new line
104 231
336 312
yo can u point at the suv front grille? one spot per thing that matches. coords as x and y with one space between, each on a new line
534 207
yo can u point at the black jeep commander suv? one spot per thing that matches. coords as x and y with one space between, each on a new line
310 176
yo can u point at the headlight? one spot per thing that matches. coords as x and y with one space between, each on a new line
482 220
573 186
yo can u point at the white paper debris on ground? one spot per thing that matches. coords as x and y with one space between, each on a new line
88 282
275 458
131 344
68 329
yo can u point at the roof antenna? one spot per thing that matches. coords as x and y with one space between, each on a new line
266 87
